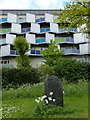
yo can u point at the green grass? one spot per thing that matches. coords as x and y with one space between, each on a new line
20 103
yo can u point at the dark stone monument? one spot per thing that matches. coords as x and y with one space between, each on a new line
54 91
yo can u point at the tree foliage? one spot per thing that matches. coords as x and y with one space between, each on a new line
76 14
52 55
22 46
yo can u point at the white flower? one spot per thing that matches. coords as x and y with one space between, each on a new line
46 101
63 92
51 93
37 100
50 98
53 100
43 97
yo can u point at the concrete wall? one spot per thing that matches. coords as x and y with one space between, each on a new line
85 48
11 18
49 17
11 62
80 37
30 38
49 37
39 47
5 50
35 28
16 28
36 61
54 27
30 17
10 38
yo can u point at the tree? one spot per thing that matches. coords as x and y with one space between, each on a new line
52 54
75 14
22 46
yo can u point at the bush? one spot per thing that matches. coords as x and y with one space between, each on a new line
72 70
46 111
46 71
14 76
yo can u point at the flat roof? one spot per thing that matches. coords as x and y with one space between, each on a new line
32 11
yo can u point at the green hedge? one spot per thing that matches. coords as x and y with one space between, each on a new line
72 70
13 76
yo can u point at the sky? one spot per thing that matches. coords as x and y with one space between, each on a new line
32 4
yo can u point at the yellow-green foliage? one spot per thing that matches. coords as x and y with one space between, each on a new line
22 46
77 14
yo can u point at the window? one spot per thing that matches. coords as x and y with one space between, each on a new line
4 61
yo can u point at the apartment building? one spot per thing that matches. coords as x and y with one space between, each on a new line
39 27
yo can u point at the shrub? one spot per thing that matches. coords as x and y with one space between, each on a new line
14 76
72 70
45 71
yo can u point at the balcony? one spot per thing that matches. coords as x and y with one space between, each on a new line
41 40
2 41
26 30
5 30
63 39
40 20
35 52
67 51
44 29
21 20
3 20
62 30
13 52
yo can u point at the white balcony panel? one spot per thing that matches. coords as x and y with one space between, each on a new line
49 37
11 18
35 28
10 38
49 17
16 28
30 17
54 27
5 50
30 38
2 41
85 48
80 37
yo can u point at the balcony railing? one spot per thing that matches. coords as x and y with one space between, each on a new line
2 41
40 20
35 52
61 30
44 29
21 20
62 39
3 20
13 52
5 30
41 40
26 30
70 50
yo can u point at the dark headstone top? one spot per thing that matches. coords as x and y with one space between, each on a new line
54 86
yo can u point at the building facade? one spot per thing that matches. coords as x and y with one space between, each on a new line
39 27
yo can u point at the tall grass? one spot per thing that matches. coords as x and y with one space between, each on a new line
36 90
20 102
24 91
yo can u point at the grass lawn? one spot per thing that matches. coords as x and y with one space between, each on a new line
20 103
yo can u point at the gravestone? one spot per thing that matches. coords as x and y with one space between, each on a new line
54 91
